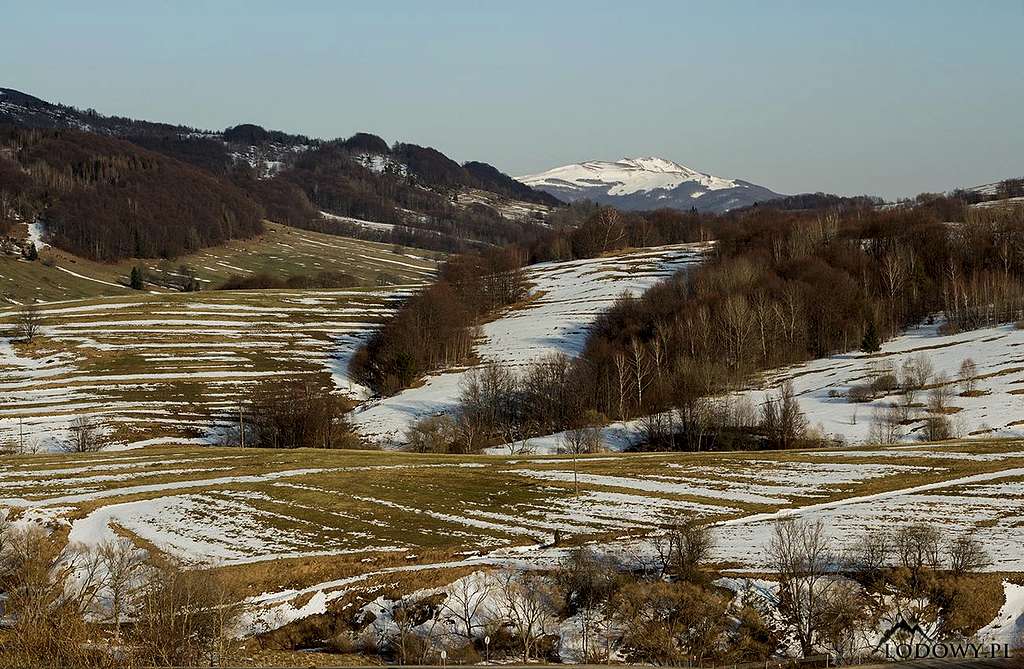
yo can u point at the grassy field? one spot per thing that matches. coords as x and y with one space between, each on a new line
294 523
281 251
153 366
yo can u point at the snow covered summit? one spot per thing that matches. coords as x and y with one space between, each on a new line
647 183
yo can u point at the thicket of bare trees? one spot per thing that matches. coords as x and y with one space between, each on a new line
434 329
662 616
827 597
294 413
108 606
107 199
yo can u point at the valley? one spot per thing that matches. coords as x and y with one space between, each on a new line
270 399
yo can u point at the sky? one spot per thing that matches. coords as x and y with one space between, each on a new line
887 98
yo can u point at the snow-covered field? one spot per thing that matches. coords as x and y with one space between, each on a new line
151 367
996 409
214 506
568 297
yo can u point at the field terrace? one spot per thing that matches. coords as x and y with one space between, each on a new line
296 524
159 368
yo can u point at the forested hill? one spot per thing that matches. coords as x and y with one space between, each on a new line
105 199
160 189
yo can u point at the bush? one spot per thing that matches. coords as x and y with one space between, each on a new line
937 428
885 383
433 434
860 393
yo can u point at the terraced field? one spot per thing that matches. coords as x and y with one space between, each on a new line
153 368
281 251
300 523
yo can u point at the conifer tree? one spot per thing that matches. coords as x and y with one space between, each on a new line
871 342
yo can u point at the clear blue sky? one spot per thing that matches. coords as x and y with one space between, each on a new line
890 98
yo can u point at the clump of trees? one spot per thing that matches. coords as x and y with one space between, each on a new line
830 599
294 413
108 606
107 199
666 612
434 329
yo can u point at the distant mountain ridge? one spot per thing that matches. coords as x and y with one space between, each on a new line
647 183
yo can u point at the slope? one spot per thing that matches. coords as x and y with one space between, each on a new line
280 251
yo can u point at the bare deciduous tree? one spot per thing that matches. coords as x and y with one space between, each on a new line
844 621
870 554
782 421
968 376
185 618
467 604
917 371
966 555
886 425
123 566
526 601
586 580
28 321
800 554
918 549
84 436
684 549
940 394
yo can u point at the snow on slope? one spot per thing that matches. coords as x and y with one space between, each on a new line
822 385
569 295
646 183
1008 625
626 176
175 357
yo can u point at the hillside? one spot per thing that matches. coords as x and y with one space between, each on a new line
293 178
566 298
280 252
107 199
145 369
307 539
642 184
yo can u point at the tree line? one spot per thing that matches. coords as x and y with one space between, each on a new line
435 328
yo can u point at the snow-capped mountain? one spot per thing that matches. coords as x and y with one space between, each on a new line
647 183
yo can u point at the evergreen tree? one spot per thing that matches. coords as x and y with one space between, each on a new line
136 280
871 342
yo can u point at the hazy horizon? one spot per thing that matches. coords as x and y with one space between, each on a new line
796 97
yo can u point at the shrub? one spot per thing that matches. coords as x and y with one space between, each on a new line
885 383
860 393
937 428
